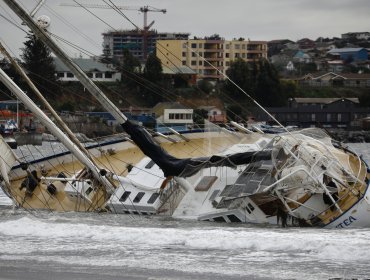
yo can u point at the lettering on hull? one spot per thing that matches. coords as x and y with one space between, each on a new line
346 222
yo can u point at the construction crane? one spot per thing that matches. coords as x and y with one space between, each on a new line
144 10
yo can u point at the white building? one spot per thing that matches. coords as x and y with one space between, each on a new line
95 70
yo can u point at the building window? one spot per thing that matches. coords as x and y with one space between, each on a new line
339 117
313 117
89 74
227 63
108 75
227 46
193 54
200 45
193 45
183 62
138 197
237 47
328 117
98 75
200 62
193 62
237 55
183 54
227 55
70 75
60 74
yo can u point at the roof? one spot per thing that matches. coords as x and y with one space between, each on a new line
320 100
346 50
346 76
178 70
86 64
160 107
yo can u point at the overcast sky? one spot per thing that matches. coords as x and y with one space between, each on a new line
253 19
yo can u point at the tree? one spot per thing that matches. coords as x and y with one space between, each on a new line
268 89
239 73
40 67
153 70
130 68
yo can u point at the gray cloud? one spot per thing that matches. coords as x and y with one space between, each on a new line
257 20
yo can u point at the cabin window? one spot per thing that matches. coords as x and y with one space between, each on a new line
250 206
153 198
313 117
219 219
89 74
339 117
60 74
70 75
124 197
98 75
108 75
234 219
205 183
138 197
149 165
89 190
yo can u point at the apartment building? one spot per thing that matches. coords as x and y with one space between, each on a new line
209 57
137 42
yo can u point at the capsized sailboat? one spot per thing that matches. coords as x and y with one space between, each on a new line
300 178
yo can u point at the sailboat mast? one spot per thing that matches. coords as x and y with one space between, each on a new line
8 82
80 75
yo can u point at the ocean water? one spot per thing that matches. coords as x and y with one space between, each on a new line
45 245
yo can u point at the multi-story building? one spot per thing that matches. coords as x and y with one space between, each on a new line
114 42
209 57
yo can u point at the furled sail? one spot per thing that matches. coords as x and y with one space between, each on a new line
186 167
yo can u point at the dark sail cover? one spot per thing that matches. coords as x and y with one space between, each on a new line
186 167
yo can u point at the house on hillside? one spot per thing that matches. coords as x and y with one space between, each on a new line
318 112
215 115
174 115
333 79
188 75
349 54
302 57
94 69
356 35
306 43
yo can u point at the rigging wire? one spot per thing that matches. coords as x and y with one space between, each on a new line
94 15
119 11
